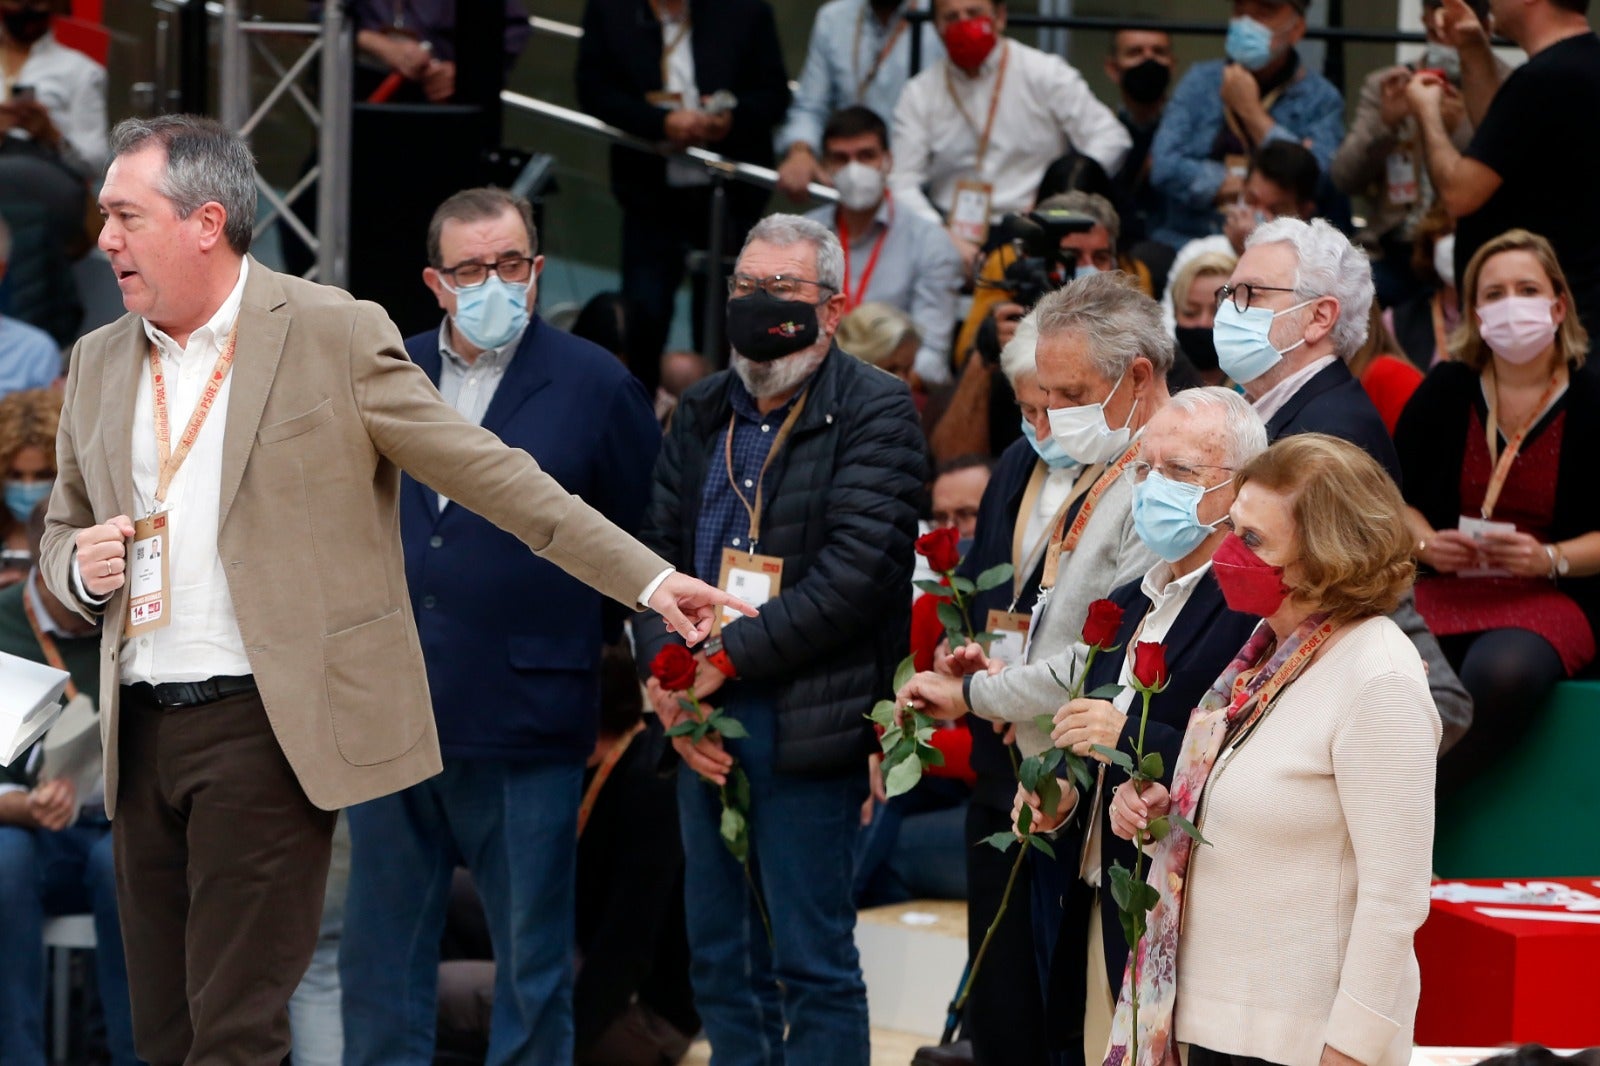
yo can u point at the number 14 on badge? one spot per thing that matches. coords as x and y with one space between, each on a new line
149 606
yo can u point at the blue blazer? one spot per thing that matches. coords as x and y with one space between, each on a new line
1202 642
1333 402
512 643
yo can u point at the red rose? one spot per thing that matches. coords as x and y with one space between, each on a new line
939 548
1150 665
1100 628
674 667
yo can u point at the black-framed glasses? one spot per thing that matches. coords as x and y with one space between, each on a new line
1248 291
513 269
782 286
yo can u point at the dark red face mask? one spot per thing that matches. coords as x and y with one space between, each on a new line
1249 585
968 42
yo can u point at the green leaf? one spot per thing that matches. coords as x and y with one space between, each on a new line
731 728
1000 841
984 639
700 730
1151 766
690 707
1040 843
963 586
1025 820
929 755
1158 828
1079 770
1029 772
1051 759
994 577
1044 723
1121 885
932 588
1188 827
1105 692
951 619
1057 678
739 784
1049 793
883 714
1145 897
683 728
1120 759
1130 928
734 832
903 776
904 672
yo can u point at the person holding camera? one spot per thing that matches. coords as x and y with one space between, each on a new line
891 256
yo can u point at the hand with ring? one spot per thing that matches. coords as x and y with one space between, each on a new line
102 554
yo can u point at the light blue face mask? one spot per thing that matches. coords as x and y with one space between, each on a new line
1166 516
491 314
1054 456
1243 351
1249 43
1085 271
23 496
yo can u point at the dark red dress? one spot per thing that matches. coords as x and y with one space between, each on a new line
1453 605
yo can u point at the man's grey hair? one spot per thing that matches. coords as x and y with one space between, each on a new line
205 163
1327 265
782 231
1244 434
1092 204
5 242
1017 358
1119 322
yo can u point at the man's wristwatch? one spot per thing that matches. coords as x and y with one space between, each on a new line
719 658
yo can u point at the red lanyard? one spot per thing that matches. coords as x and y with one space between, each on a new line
852 301
1502 463
169 459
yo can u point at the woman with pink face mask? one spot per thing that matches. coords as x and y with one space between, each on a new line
1497 449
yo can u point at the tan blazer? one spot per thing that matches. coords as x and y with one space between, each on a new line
324 411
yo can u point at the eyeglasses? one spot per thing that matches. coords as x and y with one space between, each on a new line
1187 473
781 286
1246 289
513 269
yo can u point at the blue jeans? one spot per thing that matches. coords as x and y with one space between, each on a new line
44 873
315 1024
802 839
514 825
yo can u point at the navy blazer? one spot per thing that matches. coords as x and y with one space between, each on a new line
1333 402
1202 642
991 545
512 643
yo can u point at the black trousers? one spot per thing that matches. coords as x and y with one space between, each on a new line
1199 1056
1005 1013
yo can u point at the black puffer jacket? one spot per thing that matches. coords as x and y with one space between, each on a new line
842 500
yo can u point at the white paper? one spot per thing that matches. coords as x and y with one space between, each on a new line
30 701
1477 529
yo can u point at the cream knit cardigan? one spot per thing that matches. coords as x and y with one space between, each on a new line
1300 916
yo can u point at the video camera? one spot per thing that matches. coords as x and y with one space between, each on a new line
1039 266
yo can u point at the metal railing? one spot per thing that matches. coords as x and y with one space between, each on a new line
719 168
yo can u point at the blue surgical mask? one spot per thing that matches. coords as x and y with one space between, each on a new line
23 496
1243 351
1166 516
1054 456
1249 43
491 314
1084 271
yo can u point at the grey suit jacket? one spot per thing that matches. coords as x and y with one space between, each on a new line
324 410
1108 554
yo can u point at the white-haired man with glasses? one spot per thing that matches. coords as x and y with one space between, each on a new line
799 471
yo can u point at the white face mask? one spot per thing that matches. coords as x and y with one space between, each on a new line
860 186
1444 258
1084 434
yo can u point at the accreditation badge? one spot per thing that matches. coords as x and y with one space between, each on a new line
149 602
746 576
1011 635
969 213
1400 177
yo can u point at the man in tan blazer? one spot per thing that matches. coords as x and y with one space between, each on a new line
268 418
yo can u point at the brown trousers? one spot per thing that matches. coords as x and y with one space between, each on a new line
221 863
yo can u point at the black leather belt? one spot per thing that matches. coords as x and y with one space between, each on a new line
189 693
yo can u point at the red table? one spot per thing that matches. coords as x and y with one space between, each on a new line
1511 962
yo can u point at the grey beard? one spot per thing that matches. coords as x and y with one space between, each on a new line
779 376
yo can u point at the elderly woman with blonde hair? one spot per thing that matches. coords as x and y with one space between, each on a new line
1308 768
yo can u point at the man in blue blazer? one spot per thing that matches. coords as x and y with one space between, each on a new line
512 647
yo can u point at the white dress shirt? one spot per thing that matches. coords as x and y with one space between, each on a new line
1272 401
1052 494
1045 107
680 78
202 640
470 387
72 88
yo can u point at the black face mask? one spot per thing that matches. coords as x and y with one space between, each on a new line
25 26
1145 83
1198 345
762 327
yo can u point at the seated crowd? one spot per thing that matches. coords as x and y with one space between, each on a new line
1305 406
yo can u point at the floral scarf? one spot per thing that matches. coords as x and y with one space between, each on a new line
1230 704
